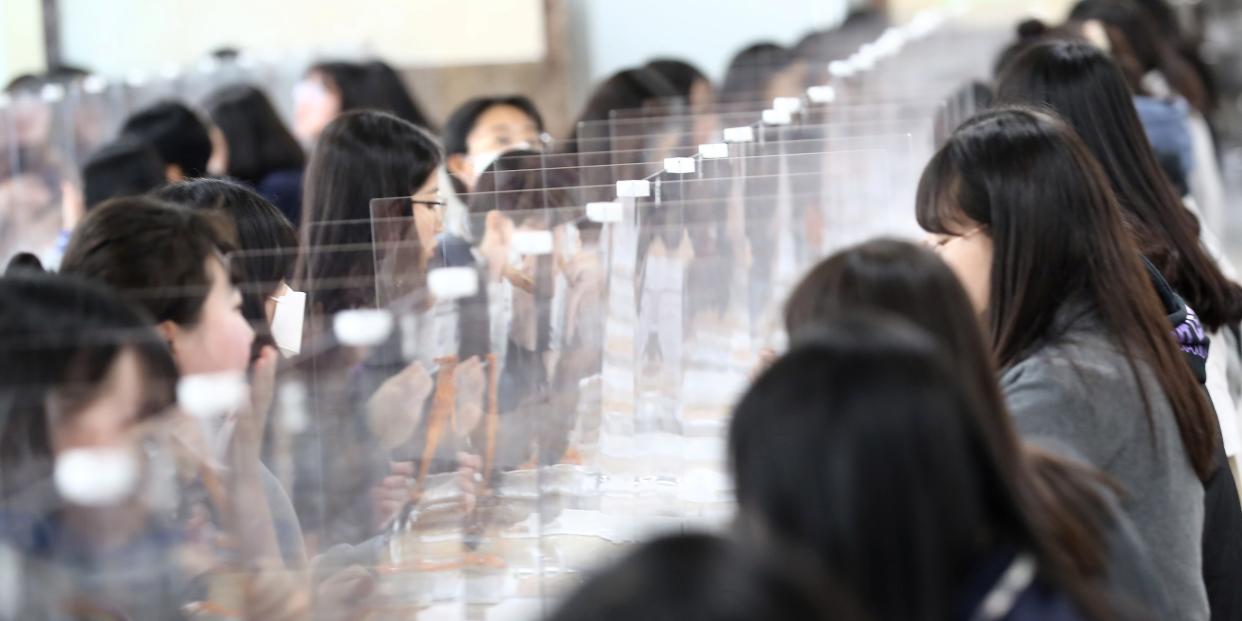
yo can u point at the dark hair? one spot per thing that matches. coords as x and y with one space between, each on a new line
58 332
629 89
464 118
908 281
259 144
862 26
700 578
1059 238
1140 47
752 69
371 86
1087 90
680 74
127 166
177 134
154 253
268 243
862 444
360 156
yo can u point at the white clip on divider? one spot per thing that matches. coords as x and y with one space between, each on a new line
170 72
679 165
52 93
787 104
739 134
362 327
208 395
841 69
532 242
821 94
634 188
604 212
453 283
94 84
716 151
777 117
136 79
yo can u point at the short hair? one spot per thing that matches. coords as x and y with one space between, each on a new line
153 253
177 134
466 116
127 166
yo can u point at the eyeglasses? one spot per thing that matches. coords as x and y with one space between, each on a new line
940 244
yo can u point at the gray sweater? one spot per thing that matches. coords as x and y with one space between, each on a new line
1080 393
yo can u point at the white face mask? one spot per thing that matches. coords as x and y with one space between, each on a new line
480 161
96 477
287 321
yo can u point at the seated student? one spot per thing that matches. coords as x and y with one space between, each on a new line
256 148
864 447
170 261
177 134
1071 501
349 263
82 375
478 132
87 464
124 167
1078 331
332 88
761 73
267 248
697 577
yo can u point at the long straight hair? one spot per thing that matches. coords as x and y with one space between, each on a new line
1058 239
360 156
863 446
911 282
1086 89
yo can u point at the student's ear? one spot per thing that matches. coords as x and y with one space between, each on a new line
459 166
168 331
173 173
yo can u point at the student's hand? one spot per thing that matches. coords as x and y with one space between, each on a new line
392 492
252 421
343 595
395 410
276 595
471 381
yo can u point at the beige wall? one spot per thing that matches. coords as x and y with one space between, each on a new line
21 38
116 37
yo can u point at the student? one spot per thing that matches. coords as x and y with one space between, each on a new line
125 167
1081 84
361 156
761 73
170 261
481 129
863 447
1070 501
1165 85
82 375
354 259
1074 324
267 249
89 395
629 89
178 135
332 88
697 577
257 147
